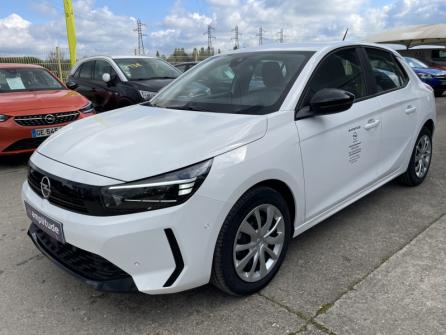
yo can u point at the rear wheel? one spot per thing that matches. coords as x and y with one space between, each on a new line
420 160
252 242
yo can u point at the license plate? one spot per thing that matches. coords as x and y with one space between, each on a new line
443 82
49 226
44 132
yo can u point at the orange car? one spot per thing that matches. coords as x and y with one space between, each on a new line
33 105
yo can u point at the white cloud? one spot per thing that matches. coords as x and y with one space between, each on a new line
100 30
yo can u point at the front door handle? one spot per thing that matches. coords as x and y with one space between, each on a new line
372 123
410 110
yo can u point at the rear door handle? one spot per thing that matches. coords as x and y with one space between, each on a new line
410 110
372 123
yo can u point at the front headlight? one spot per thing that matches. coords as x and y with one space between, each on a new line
157 192
88 108
3 117
147 95
424 75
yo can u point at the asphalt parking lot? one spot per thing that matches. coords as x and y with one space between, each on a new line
374 268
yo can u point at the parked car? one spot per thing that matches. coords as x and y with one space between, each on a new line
183 67
114 82
433 77
33 105
432 55
211 179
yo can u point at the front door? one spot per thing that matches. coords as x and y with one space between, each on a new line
340 151
106 95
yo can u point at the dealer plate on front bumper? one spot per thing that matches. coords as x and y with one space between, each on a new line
44 132
49 226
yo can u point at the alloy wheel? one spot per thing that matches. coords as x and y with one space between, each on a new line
258 243
423 153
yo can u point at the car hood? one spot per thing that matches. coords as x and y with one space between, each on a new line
431 71
15 103
152 85
138 142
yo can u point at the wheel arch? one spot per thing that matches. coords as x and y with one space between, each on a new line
429 124
284 190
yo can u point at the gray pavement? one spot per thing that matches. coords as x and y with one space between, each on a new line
376 267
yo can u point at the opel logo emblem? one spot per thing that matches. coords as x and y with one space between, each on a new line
50 118
45 187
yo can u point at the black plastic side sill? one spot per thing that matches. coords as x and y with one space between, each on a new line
179 263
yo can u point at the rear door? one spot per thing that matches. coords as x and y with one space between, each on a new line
400 107
340 151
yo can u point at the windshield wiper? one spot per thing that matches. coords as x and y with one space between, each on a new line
249 110
186 107
150 78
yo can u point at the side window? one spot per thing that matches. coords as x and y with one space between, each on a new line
342 70
386 71
101 67
76 74
85 70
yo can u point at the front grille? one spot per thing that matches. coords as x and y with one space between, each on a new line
81 262
63 194
442 77
46 119
25 144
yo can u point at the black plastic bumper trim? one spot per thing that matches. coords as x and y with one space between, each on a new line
115 285
179 263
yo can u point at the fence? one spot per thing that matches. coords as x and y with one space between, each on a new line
57 61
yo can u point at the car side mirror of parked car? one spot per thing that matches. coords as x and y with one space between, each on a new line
72 85
330 101
106 77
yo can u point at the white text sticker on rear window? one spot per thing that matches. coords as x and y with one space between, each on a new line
15 83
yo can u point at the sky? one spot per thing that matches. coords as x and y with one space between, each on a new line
106 27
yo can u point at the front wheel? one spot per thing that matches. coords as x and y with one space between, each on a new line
252 242
420 160
438 93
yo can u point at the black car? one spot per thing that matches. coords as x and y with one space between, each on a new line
183 67
114 82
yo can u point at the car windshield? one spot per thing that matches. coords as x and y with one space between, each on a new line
27 79
244 83
146 68
413 62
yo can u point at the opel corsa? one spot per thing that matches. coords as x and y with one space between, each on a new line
210 180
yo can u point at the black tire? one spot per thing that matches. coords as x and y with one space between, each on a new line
410 178
224 275
438 93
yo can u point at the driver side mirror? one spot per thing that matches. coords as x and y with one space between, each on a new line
330 101
71 85
106 77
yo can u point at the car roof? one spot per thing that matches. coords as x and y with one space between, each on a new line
18 65
315 47
111 57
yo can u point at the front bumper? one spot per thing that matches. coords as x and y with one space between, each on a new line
17 139
163 251
93 270
436 83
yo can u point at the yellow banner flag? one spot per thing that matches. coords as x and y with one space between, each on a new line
71 30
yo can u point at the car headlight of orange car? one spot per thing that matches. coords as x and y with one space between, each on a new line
88 108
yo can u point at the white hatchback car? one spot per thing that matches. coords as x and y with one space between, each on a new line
211 179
